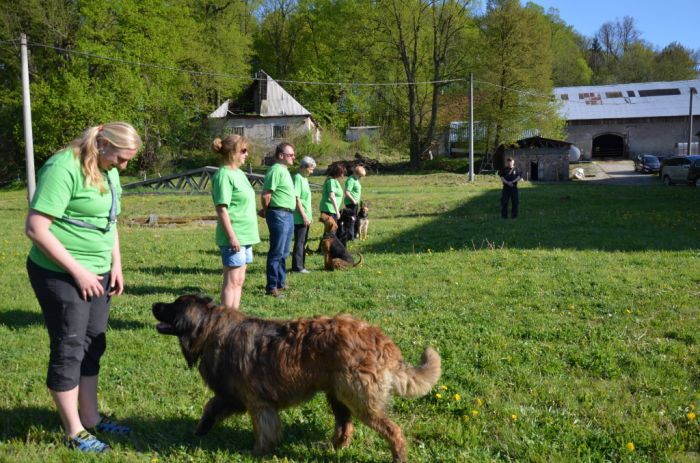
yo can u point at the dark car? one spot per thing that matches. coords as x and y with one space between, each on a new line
647 163
694 173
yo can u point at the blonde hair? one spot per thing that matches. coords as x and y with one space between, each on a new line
229 146
360 171
120 135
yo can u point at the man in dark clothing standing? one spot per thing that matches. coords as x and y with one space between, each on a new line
510 176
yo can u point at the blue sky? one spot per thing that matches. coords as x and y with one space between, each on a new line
660 23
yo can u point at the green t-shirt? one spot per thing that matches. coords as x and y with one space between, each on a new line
233 189
279 181
331 185
353 186
60 192
303 192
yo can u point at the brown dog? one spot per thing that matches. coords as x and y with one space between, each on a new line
261 366
362 221
335 254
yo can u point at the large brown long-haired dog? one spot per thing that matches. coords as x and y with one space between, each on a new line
261 366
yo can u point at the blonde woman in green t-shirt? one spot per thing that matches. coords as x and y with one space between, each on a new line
237 223
75 268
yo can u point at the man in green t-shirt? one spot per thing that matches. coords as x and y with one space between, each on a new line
278 204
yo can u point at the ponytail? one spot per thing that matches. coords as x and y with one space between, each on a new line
120 135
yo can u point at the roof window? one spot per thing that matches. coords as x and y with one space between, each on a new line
660 92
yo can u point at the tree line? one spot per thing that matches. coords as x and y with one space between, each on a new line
194 54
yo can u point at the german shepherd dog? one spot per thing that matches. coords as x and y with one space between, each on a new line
362 221
260 366
335 254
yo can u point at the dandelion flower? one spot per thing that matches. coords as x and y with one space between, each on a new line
691 416
475 412
478 402
458 397
514 417
443 387
630 446
438 396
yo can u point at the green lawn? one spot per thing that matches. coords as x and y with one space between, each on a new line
565 335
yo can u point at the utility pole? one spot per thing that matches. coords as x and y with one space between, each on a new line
690 122
471 127
27 107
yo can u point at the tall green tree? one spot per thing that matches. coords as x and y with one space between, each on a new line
516 65
85 68
675 62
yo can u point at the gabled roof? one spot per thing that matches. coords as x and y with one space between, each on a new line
621 101
541 142
263 98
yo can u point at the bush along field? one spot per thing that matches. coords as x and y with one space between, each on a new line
568 334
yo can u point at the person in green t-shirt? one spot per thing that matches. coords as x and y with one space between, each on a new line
237 223
278 204
352 197
302 214
331 198
75 268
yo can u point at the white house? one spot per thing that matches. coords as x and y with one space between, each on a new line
265 114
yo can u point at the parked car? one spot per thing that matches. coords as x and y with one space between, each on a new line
675 169
694 173
648 163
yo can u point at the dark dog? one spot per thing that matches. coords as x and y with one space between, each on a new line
362 221
346 226
335 254
261 366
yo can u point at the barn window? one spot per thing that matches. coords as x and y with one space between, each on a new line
564 96
660 92
238 130
630 93
613 94
280 131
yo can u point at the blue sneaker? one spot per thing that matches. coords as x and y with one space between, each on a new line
107 424
86 442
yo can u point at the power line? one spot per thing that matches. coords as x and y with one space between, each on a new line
239 77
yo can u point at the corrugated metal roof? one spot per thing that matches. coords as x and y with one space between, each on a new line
277 102
280 103
620 101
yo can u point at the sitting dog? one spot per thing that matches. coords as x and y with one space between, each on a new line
335 254
261 366
346 226
362 221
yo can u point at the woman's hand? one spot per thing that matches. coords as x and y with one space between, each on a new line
89 284
235 245
116 282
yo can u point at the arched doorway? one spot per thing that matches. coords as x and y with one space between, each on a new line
608 144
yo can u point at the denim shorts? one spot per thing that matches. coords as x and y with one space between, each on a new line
236 259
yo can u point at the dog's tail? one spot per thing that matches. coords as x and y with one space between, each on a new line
416 381
359 260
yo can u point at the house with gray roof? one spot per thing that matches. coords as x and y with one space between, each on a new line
265 114
629 119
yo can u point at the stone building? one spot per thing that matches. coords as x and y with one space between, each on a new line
539 159
629 119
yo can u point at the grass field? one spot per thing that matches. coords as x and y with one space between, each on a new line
569 334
